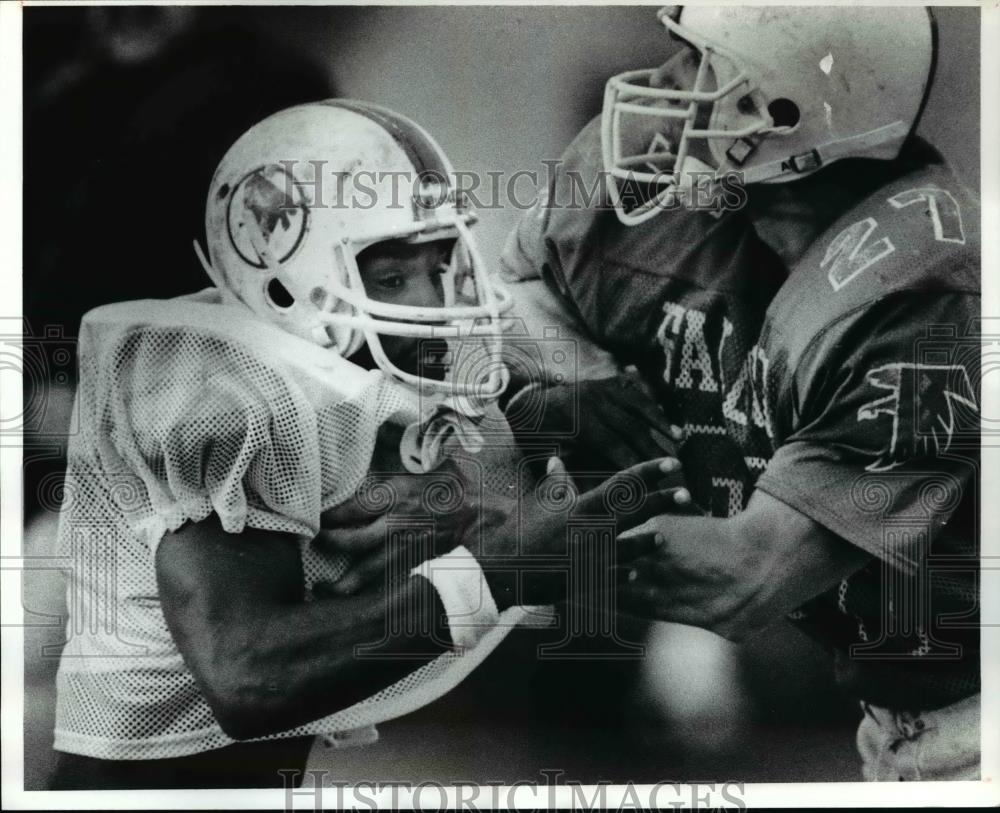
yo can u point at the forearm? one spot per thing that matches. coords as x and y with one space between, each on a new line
309 660
267 660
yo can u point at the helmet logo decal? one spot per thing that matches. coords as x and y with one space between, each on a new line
659 145
267 209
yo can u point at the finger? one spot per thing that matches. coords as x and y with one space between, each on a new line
663 443
652 471
673 473
346 515
623 415
669 465
645 420
636 544
671 500
628 440
649 473
677 432
556 469
685 505
626 573
354 541
667 501
626 492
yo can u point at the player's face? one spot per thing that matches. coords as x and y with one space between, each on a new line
680 72
405 274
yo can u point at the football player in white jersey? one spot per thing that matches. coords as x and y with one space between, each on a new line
859 397
236 443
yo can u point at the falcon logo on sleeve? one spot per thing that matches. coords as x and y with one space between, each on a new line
922 401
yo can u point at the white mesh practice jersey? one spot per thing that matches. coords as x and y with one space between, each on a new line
188 407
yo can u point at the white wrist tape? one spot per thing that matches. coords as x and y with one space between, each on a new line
467 600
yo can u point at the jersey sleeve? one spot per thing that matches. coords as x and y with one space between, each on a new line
523 264
524 253
883 414
207 426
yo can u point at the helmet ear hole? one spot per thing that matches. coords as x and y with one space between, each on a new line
784 112
278 295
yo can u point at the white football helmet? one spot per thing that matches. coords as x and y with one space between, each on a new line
302 193
785 90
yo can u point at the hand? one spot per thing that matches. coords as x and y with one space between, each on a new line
387 486
678 582
447 500
735 575
367 527
500 529
527 549
603 426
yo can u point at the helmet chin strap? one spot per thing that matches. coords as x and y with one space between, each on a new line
795 166
780 170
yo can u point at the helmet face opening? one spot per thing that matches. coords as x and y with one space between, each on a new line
306 192
658 124
770 93
462 322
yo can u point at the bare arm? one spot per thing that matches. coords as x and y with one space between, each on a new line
734 575
265 659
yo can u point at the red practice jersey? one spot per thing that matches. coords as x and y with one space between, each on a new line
862 395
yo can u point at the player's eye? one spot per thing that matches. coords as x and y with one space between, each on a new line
390 282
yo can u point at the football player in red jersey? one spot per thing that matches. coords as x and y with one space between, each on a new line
675 300
681 298
859 398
